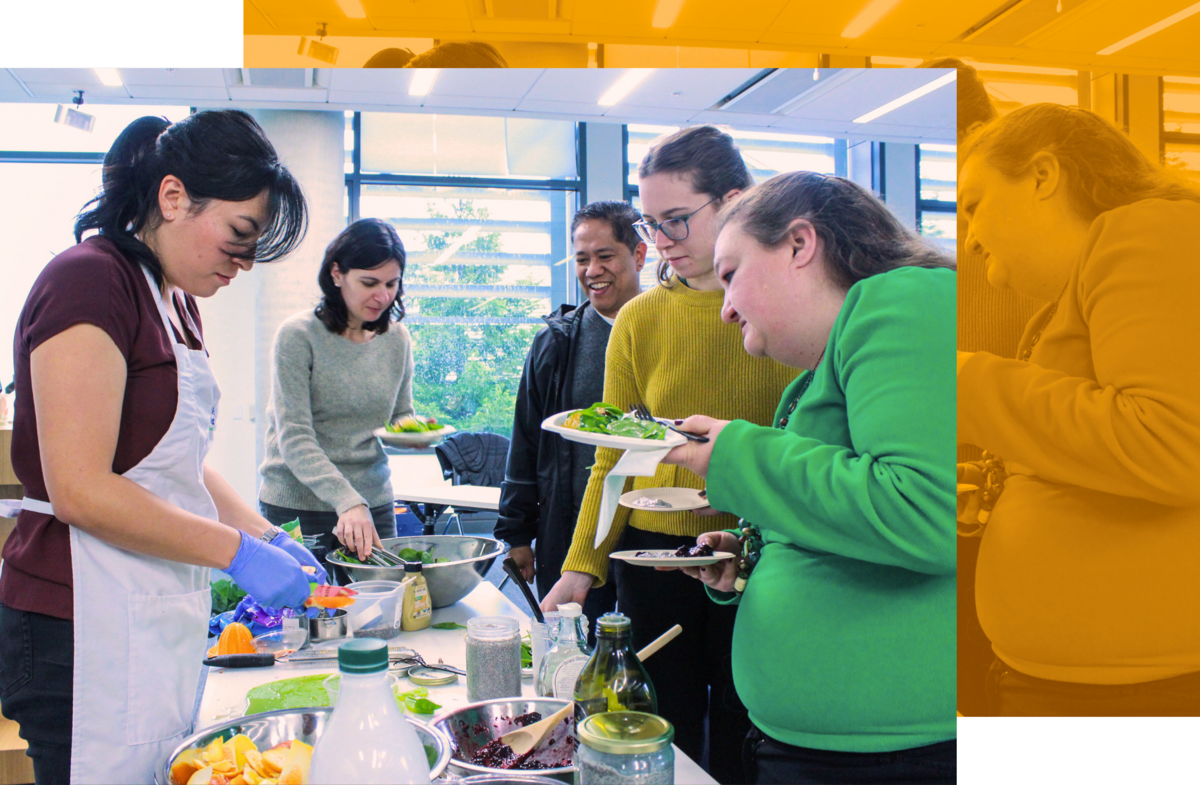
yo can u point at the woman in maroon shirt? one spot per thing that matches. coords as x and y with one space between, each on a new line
116 406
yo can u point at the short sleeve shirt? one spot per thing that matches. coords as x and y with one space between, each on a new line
92 283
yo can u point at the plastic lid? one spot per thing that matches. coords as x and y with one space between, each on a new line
625 732
363 655
570 610
492 628
412 566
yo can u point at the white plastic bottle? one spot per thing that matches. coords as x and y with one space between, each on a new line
367 739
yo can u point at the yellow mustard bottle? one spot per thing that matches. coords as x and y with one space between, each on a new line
417 610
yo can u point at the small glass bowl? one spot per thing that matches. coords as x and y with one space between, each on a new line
281 642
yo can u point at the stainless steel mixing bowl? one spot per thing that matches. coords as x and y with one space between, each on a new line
470 727
470 559
268 729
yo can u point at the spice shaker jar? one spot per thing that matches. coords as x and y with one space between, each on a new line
624 748
493 658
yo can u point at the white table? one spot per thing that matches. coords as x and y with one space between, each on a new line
225 689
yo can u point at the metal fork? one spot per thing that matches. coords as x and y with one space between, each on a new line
642 413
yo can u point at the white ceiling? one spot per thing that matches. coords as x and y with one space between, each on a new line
826 106
1040 32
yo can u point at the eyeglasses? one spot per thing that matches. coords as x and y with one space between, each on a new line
648 230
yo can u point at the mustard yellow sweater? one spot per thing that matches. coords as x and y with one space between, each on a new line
670 350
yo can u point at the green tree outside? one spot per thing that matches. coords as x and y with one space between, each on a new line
467 374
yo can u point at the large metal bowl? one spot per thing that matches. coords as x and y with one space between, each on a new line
470 559
269 728
470 727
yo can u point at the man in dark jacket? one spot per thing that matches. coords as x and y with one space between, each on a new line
546 475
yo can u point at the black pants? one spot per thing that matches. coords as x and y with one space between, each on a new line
770 761
698 661
1015 694
36 662
322 525
974 649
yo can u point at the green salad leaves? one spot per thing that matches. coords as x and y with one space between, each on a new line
606 418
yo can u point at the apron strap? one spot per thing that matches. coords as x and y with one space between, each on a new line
36 505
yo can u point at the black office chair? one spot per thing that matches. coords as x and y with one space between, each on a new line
473 459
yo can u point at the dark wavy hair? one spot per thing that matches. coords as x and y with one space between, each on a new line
708 156
363 245
974 103
222 155
619 215
390 58
459 54
859 235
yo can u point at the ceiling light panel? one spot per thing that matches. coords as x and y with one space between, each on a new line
910 20
1116 20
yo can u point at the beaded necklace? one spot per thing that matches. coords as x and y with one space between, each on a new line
751 538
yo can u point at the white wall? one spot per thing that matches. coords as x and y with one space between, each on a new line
240 323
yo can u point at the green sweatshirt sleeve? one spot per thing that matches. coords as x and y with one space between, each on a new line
886 496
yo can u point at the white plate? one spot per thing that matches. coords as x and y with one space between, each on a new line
413 438
554 424
678 498
665 559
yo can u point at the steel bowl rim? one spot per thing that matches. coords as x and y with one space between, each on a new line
503 549
443 739
445 714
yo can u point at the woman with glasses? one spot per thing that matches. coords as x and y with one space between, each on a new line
670 352
845 583
1090 511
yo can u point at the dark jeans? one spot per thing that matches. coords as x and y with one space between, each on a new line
693 675
974 649
771 761
1015 694
322 525
36 662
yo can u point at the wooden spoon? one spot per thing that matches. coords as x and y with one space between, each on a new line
525 739
659 642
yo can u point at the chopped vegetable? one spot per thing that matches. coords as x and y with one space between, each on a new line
330 597
608 419
526 652
225 596
414 424
417 701
425 557
449 625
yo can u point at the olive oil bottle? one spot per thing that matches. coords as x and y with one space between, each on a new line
614 679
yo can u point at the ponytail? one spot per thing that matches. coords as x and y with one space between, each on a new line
222 155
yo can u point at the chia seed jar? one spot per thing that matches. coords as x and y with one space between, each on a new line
625 748
493 658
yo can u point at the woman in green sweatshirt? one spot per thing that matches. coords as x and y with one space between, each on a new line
844 643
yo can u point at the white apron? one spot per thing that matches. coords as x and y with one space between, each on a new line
141 623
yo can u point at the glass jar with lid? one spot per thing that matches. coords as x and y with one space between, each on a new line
625 748
493 658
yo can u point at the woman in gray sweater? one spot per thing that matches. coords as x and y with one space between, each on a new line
339 372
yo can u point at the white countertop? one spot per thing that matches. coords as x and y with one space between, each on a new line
225 689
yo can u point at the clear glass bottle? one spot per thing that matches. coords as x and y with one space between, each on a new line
493 658
625 748
367 739
565 660
614 679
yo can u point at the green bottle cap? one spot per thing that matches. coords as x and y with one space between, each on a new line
625 732
363 655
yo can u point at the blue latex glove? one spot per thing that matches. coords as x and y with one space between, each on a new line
301 554
270 575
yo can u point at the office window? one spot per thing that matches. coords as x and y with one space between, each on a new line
1181 124
937 203
49 172
483 206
